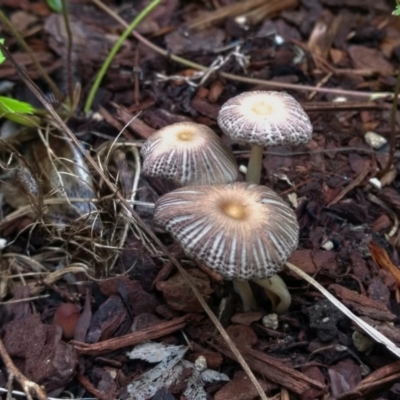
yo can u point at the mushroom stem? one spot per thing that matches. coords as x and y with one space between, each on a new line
243 289
255 164
277 291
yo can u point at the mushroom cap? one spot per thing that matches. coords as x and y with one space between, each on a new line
265 118
188 154
242 231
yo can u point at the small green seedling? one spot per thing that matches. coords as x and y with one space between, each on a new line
2 58
18 111
15 110
55 5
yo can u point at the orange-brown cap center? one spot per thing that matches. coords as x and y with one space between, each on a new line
185 135
234 210
262 108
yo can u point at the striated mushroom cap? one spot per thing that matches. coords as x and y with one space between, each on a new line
242 231
265 118
188 154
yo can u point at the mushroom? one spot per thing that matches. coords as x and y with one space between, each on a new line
189 154
264 118
66 317
242 231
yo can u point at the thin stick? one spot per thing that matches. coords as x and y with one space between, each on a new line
141 16
27 385
231 11
70 82
368 329
49 107
131 339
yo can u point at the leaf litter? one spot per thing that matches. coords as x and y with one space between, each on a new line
168 371
69 233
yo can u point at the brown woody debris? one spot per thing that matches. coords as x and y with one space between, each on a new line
247 318
274 370
42 356
240 388
344 376
178 294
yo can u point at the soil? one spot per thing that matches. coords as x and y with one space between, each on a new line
339 59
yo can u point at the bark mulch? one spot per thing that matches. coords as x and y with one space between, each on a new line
339 59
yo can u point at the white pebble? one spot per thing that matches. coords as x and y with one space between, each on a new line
374 140
271 321
376 183
328 245
200 363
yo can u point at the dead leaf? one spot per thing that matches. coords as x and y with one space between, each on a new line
178 294
344 376
381 258
239 388
169 370
43 356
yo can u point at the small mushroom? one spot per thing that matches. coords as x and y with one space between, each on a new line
264 118
189 154
242 231
66 316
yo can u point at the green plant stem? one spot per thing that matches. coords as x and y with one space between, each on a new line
21 41
70 83
141 16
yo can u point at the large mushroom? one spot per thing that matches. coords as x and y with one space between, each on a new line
188 154
242 231
264 119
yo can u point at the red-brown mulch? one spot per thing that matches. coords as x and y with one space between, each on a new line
349 241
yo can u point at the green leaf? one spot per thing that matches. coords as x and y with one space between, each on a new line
396 11
8 105
2 58
55 5
18 111
30 121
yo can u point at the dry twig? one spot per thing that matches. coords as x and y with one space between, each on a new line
28 386
131 339
368 329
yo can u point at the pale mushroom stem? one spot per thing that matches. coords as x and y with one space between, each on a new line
243 289
274 287
277 291
253 175
255 164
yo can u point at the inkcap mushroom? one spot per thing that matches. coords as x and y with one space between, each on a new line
188 154
264 119
242 231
